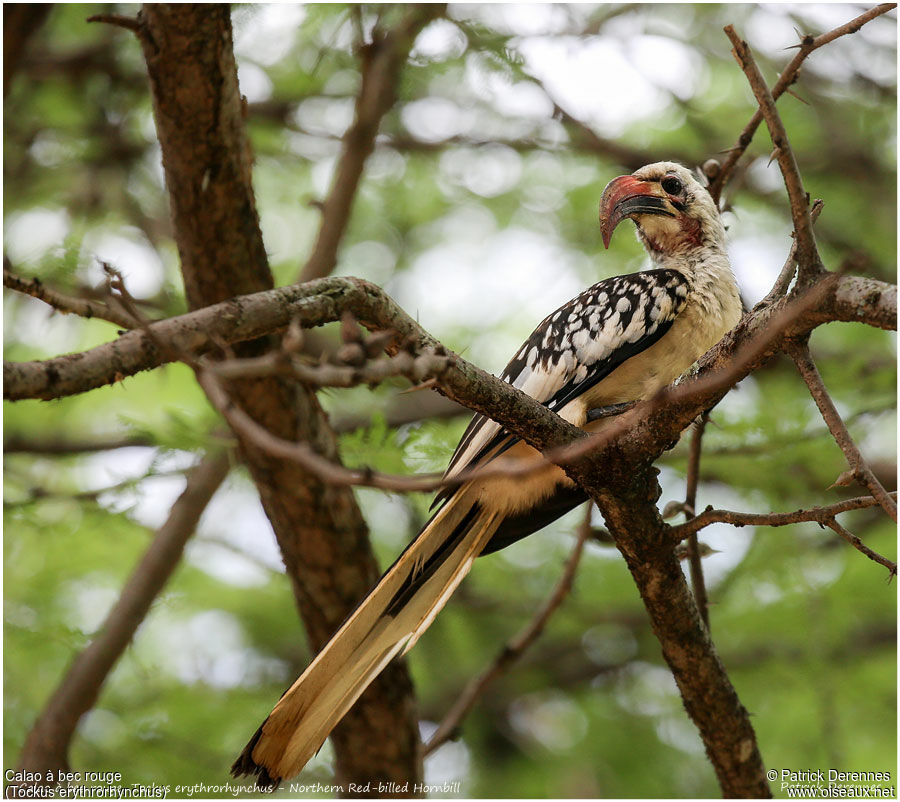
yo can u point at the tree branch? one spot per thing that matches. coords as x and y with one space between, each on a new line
808 260
690 504
815 514
846 299
382 61
47 745
854 541
788 76
66 304
64 446
119 21
783 282
515 648
799 352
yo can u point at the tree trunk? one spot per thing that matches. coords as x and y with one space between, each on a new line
320 530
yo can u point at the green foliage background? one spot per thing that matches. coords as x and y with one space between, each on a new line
805 625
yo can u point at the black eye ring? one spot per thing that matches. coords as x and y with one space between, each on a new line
672 185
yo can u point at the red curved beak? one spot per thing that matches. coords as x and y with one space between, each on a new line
626 196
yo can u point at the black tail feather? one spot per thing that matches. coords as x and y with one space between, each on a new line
246 765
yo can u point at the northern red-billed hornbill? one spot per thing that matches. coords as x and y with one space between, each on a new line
621 340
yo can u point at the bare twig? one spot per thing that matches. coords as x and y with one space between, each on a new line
786 79
399 411
47 744
40 493
799 352
808 260
382 61
514 649
414 367
323 468
814 514
66 304
698 584
854 541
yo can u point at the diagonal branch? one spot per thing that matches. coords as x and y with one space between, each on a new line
854 541
382 61
516 647
783 282
799 352
47 745
785 80
67 304
808 259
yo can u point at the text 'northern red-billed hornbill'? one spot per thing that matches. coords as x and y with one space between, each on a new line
621 340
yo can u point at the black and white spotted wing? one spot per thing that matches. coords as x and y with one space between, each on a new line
577 346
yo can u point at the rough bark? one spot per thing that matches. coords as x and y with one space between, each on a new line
852 299
320 530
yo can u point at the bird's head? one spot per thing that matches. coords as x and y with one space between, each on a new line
672 211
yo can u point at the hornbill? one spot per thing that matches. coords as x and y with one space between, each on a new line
621 340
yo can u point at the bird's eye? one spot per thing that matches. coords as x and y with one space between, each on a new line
671 184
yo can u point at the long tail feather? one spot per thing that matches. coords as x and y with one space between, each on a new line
386 623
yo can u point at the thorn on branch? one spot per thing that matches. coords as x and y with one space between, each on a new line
846 479
118 20
793 94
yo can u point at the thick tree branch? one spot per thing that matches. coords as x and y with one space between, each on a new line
799 352
47 745
847 299
788 76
